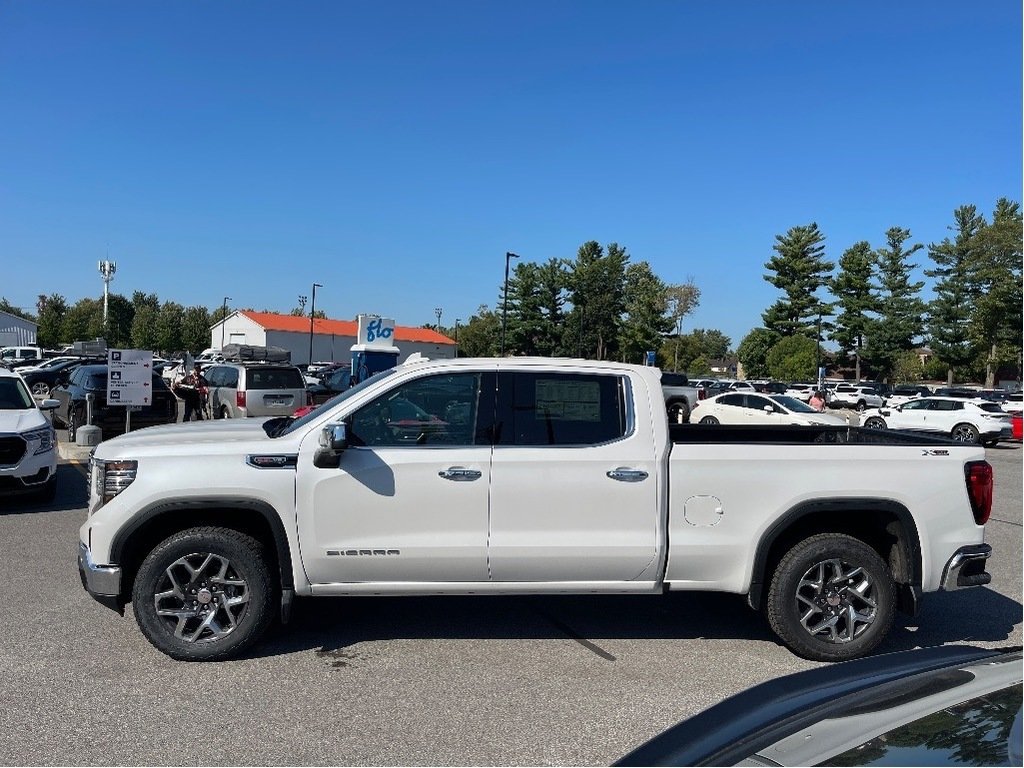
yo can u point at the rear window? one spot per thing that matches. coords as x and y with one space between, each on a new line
991 408
562 409
274 378
674 379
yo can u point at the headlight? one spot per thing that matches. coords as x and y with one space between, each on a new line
40 440
109 478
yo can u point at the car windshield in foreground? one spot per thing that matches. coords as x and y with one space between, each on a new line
279 428
14 395
792 404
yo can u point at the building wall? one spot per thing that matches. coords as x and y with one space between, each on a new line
328 347
16 331
238 329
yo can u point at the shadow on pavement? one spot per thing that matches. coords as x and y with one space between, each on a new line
72 493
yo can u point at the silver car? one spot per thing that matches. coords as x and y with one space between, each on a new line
238 390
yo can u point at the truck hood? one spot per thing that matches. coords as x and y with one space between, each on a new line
185 436
13 422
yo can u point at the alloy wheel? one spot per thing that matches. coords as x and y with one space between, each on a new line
836 601
201 597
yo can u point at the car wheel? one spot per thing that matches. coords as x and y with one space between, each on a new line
224 412
678 412
74 422
204 594
709 420
862 406
832 598
40 388
965 433
875 423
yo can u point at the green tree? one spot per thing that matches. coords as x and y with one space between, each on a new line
949 314
900 308
793 357
144 332
645 322
753 352
51 321
852 287
597 292
682 299
6 306
536 300
699 366
798 269
711 343
120 314
83 321
995 276
481 335
908 368
195 328
168 328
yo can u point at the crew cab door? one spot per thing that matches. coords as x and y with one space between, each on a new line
408 499
574 484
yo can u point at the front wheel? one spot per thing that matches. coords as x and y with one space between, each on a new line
965 433
874 423
204 594
861 406
709 420
832 598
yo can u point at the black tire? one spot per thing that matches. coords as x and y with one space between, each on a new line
965 433
224 572
875 423
861 406
856 601
678 412
73 422
710 420
224 412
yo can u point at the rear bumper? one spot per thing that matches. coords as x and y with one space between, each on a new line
966 568
103 582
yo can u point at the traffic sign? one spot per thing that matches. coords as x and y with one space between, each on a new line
129 377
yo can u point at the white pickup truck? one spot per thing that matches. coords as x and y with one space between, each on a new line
517 476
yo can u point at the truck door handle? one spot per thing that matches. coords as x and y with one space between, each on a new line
459 474
627 475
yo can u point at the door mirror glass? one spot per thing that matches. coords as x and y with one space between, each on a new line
768 409
334 437
49 404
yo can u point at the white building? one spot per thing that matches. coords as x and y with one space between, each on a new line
17 331
332 339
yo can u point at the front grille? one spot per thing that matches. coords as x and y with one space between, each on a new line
12 448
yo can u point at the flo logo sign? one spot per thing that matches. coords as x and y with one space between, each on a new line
376 331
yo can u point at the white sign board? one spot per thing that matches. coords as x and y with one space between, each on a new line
129 377
376 331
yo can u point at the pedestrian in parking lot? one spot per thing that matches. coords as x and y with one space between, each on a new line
190 389
817 401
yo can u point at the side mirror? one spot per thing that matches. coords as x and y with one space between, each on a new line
49 404
333 442
768 409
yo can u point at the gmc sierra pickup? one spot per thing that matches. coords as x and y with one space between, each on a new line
515 476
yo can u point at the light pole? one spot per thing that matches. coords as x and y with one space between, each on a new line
504 304
223 320
107 270
582 315
817 352
437 313
457 336
312 313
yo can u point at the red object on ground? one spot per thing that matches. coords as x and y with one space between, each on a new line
1015 421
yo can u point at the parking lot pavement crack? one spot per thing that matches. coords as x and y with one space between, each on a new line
1007 522
573 634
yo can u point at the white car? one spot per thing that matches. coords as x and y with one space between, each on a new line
904 394
28 443
966 421
1013 403
755 408
800 391
854 396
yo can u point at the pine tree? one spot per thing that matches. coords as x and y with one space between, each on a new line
856 302
901 310
949 313
597 292
798 269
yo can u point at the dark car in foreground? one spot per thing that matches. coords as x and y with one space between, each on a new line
92 379
954 705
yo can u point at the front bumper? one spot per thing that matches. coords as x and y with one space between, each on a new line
103 582
966 568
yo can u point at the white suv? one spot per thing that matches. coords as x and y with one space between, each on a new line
28 444
966 421
854 396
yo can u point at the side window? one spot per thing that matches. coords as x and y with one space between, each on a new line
758 403
917 405
230 378
946 405
733 400
214 376
75 377
561 408
431 411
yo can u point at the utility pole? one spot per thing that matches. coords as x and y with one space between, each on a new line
312 313
457 336
223 320
504 303
437 313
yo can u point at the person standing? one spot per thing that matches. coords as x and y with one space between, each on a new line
190 389
817 401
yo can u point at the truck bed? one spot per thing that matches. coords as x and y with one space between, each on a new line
799 435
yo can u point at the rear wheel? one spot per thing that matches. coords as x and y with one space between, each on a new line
709 420
965 433
862 406
41 388
832 598
678 412
224 412
204 594
875 423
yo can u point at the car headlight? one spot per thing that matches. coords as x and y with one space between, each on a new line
109 478
40 440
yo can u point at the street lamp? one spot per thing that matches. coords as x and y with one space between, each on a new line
312 313
437 313
223 320
817 352
504 304
457 320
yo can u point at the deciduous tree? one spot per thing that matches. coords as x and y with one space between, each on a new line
753 352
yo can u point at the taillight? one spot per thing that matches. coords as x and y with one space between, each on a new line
979 489
240 398
702 393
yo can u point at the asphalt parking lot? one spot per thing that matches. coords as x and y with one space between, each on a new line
407 681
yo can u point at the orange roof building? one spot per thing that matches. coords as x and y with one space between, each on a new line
332 339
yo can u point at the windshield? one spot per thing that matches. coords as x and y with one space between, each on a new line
339 398
792 404
14 395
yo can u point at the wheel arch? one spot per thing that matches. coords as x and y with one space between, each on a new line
884 524
154 523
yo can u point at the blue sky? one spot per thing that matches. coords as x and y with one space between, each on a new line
394 151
